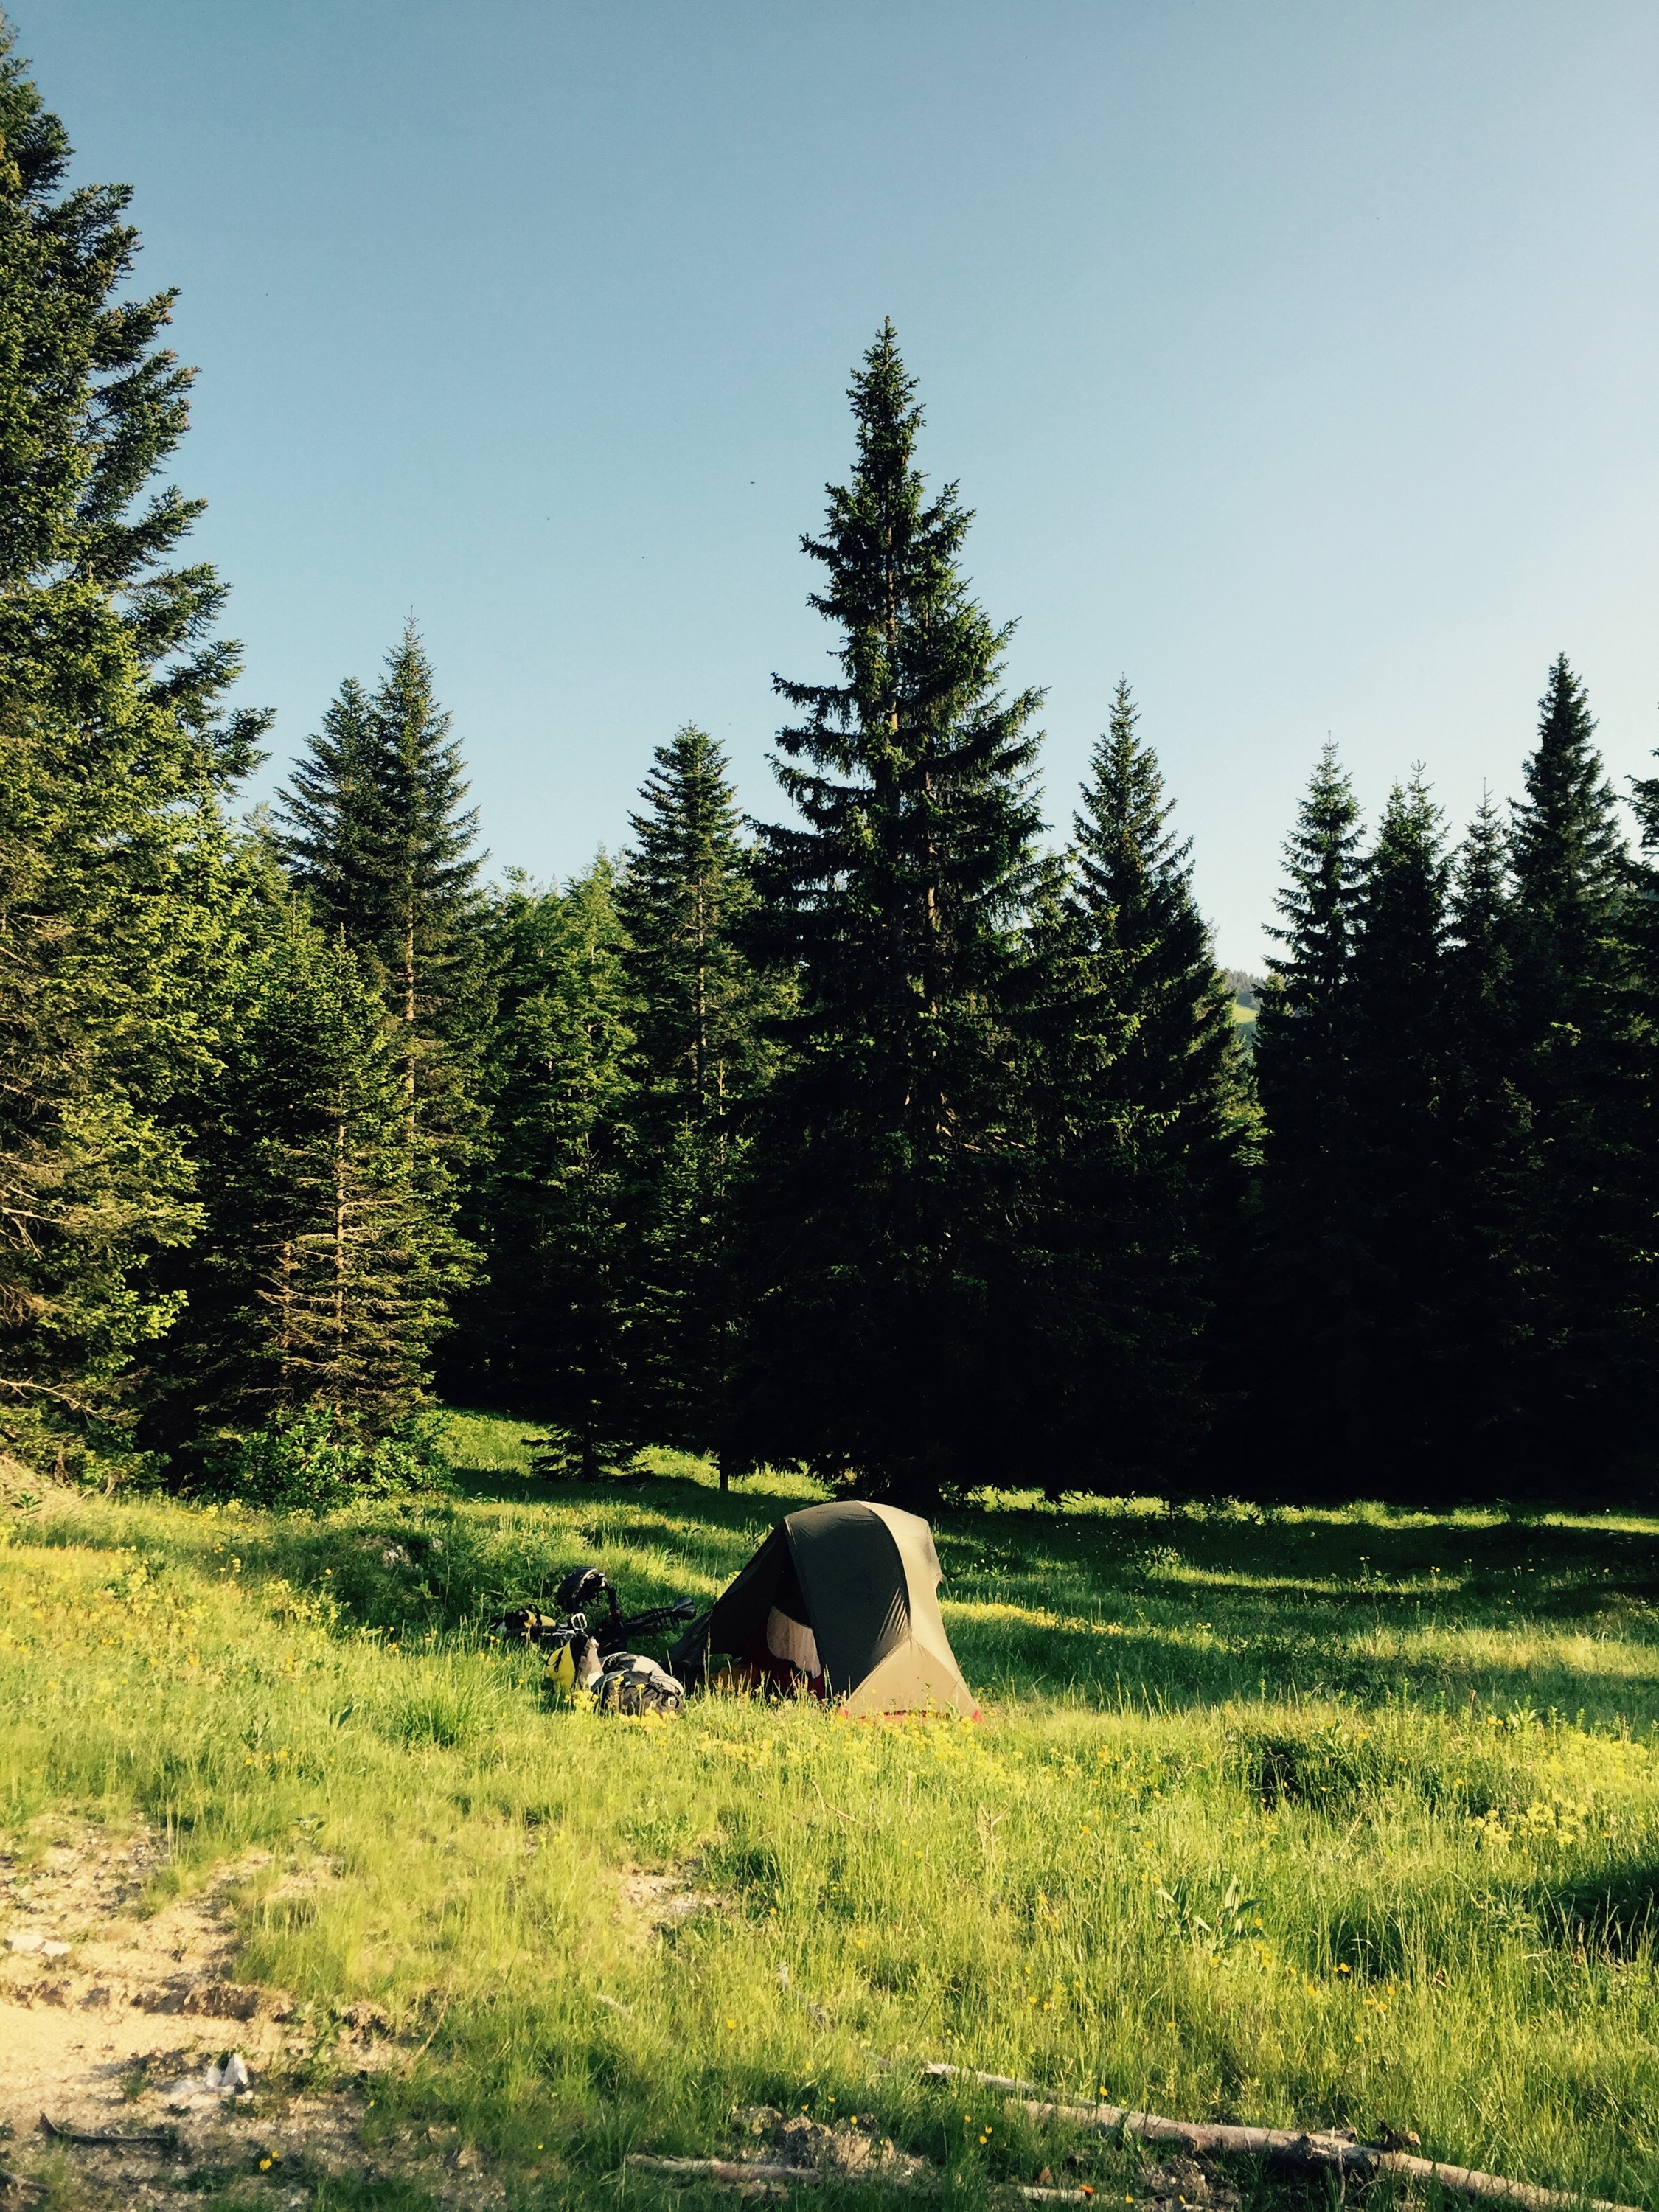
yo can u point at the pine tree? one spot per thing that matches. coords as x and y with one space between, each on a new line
1397 1030
375 828
883 1245
1638 1129
685 899
1479 955
113 883
94 406
1150 1127
1568 859
1486 1299
1570 969
1307 1295
331 822
324 1268
375 832
547 1332
1302 1032
1398 1057
94 1182
1153 958
1639 914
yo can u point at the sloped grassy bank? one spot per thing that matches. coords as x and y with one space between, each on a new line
1342 1819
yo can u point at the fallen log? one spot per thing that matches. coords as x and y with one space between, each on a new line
724 2169
1286 2147
745 2171
165 2141
940 2071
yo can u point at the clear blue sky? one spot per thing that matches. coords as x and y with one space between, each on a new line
1300 361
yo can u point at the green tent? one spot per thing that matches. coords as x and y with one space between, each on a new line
852 1588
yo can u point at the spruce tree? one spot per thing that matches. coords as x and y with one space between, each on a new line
1486 1302
1638 1130
321 1280
330 821
547 1331
1397 1046
1568 860
1307 1294
1639 914
1152 960
884 1203
1301 1031
94 407
1570 969
1150 1127
376 828
685 898
113 882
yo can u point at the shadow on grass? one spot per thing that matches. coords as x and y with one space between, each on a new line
1613 1913
1143 1609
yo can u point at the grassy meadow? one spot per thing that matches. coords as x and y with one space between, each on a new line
1302 1818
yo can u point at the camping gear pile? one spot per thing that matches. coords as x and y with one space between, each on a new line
594 1655
840 1603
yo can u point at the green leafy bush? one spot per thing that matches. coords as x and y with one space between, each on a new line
313 1461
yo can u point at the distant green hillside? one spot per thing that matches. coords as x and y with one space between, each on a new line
1247 1000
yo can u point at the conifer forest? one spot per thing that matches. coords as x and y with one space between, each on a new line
876 1126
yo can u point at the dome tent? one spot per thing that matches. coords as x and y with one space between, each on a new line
867 1578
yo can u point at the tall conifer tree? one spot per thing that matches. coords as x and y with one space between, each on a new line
1570 966
548 1331
1487 1299
1638 1130
1150 1124
1302 1030
377 829
1307 1309
324 1269
885 1261
1568 859
1152 957
1399 1040
113 887
686 898
330 823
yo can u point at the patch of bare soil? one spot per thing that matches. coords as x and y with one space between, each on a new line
659 1902
851 2150
114 2023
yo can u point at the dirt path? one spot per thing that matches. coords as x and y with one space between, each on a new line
105 2010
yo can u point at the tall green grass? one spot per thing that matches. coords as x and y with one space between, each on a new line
1340 1819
